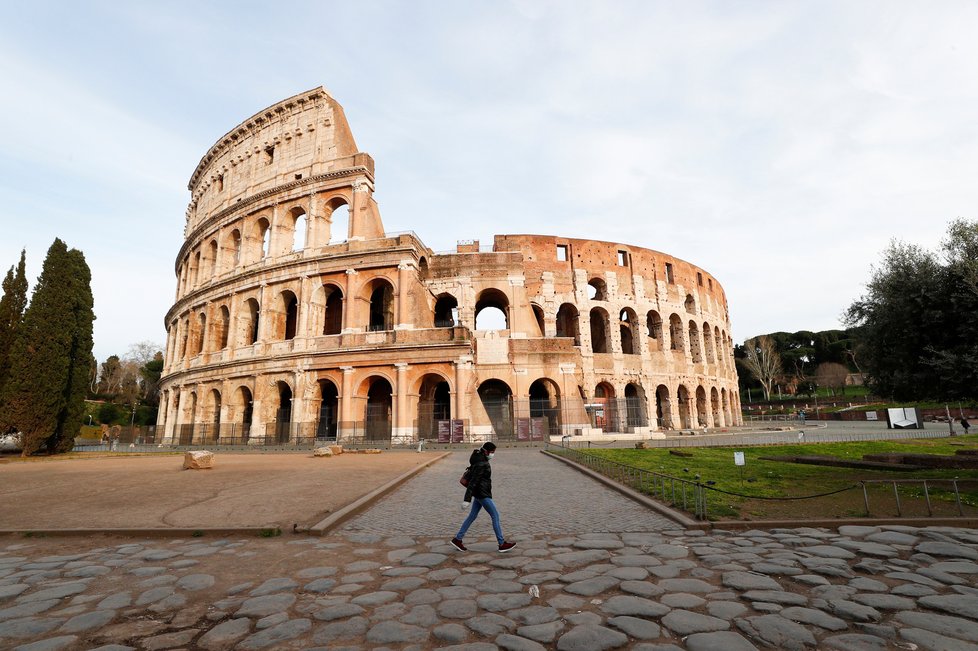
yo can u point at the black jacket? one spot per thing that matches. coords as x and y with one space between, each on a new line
480 478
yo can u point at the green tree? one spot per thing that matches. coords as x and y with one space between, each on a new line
12 307
51 357
915 328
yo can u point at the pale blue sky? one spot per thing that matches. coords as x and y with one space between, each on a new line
779 145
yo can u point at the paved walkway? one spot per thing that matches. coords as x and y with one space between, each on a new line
664 589
535 494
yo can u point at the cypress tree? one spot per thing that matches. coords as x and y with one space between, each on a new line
12 307
51 357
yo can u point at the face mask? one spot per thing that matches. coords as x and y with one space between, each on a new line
490 456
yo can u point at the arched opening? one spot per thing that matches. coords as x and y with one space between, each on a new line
682 397
568 323
423 269
381 306
603 410
635 406
377 415
597 290
212 417
492 310
434 408
599 330
708 344
196 269
715 407
332 310
236 247
539 319
676 333
201 333
240 415
497 400
663 407
283 413
339 221
263 236
326 425
251 319
299 229
184 348
225 327
189 420
544 409
701 407
690 304
654 324
627 326
718 344
288 317
727 417
694 342
446 311
212 258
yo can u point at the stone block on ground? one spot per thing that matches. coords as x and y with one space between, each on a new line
322 452
336 449
198 460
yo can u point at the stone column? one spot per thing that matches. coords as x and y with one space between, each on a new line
232 326
462 368
516 301
403 320
402 424
349 301
305 306
345 426
263 317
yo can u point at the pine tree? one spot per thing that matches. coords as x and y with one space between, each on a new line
12 307
51 357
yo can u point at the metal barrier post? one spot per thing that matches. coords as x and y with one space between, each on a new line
896 494
930 511
957 497
865 497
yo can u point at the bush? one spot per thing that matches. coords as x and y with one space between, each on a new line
111 414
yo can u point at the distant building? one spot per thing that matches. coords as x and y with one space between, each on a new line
297 317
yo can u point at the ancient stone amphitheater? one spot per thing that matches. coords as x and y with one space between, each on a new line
298 318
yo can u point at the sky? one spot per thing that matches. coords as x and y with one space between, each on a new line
778 145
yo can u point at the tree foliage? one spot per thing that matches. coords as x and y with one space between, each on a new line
12 306
915 326
51 356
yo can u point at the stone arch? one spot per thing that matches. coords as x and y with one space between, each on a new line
211 416
727 419
298 228
715 407
685 405
497 303
701 407
423 269
212 250
719 345
569 322
663 407
326 310
434 403
446 311
694 342
200 336
380 296
195 271
628 328
497 400
708 348
241 413
690 304
231 255
249 322
378 408
597 289
284 316
338 219
223 328
539 319
282 425
603 408
653 323
599 330
328 414
544 399
635 415
261 235
676 333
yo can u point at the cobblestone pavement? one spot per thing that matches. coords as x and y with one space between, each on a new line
535 494
855 588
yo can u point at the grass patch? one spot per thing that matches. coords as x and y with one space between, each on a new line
760 479
270 532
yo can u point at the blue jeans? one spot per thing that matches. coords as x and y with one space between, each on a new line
477 505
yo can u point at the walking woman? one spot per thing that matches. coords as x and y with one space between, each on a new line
479 491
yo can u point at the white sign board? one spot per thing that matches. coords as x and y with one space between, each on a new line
871 415
739 459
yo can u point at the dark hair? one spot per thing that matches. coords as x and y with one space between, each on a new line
488 446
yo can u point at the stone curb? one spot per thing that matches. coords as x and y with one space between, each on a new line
676 516
155 532
336 519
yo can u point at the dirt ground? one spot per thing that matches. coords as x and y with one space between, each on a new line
242 490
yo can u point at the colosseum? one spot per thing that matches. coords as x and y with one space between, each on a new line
298 318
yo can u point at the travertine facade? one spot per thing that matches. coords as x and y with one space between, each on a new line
296 316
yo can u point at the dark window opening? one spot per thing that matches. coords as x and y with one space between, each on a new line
269 154
599 331
291 316
446 311
669 277
333 317
382 308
